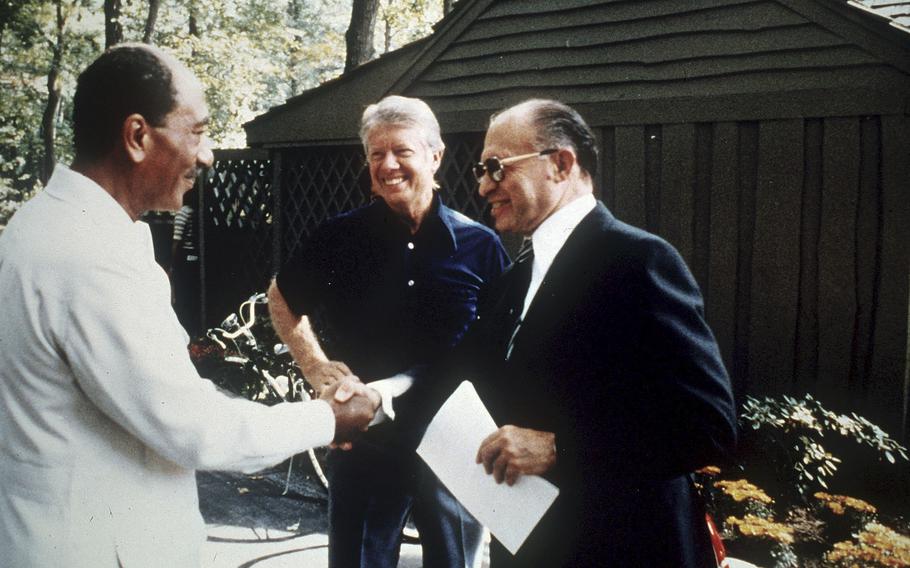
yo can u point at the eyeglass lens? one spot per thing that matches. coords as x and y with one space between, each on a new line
491 166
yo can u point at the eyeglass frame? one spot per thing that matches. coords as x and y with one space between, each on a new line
498 174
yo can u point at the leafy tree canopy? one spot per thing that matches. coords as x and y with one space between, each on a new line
250 55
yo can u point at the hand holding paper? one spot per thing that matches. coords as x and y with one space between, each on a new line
450 448
512 451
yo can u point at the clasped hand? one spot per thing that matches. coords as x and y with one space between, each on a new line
354 405
323 374
512 451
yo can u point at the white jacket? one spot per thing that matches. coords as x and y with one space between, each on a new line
103 418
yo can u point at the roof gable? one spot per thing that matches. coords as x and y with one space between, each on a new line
492 53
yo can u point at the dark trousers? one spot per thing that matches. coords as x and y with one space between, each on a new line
371 494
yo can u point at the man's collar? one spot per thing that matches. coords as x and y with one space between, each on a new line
552 234
84 193
448 218
439 218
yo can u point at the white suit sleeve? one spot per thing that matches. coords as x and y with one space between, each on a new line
128 353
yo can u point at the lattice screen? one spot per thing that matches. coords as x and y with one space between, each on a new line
239 193
316 183
237 233
459 189
319 183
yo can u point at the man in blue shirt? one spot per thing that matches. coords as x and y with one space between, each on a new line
377 293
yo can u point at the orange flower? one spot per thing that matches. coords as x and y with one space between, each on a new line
741 490
752 526
876 546
839 504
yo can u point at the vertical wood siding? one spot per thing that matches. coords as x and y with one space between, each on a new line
797 231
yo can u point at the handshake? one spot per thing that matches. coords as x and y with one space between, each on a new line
354 405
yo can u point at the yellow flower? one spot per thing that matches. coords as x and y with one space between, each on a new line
742 490
753 526
876 546
839 504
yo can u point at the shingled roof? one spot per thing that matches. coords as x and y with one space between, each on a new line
488 54
896 12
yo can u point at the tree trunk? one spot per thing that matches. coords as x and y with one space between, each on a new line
194 23
150 21
113 28
293 19
359 37
48 119
447 6
388 34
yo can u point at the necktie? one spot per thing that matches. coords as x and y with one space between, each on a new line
523 263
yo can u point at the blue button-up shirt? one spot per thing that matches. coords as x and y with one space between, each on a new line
383 300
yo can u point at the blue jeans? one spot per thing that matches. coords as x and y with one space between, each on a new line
371 493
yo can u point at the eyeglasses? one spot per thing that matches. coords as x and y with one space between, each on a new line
493 166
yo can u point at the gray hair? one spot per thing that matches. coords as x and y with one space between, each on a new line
395 110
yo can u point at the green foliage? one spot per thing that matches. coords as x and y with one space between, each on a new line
250 55
18 19
403 21
26 47
771 510
790 433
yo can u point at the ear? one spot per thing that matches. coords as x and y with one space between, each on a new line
564 159
437 160
135 137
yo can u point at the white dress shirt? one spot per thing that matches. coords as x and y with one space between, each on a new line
549 238
103 418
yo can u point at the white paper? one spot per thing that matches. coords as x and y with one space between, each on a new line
450 449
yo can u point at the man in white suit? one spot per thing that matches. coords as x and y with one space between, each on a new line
103 418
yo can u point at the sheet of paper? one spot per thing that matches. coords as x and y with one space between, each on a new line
450 446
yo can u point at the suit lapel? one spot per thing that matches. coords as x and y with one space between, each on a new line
565 281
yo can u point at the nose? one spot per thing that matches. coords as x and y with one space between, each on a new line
485 186
205 157
389 161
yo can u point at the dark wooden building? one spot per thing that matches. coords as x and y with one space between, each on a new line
766 139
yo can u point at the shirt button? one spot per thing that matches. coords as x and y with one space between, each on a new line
411 246
410 282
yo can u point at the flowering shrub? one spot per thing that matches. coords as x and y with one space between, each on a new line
876 546
801 523
753 526
840 504
742 490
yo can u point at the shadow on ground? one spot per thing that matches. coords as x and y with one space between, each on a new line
263 500
270 520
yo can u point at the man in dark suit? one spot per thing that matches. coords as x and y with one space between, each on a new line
594 354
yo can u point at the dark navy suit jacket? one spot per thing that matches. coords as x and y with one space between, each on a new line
614 356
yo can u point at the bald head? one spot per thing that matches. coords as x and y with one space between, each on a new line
130 78
556 125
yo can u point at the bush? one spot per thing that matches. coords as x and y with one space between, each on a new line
775 507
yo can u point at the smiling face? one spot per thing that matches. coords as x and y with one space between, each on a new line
526 195
179 147
402 167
